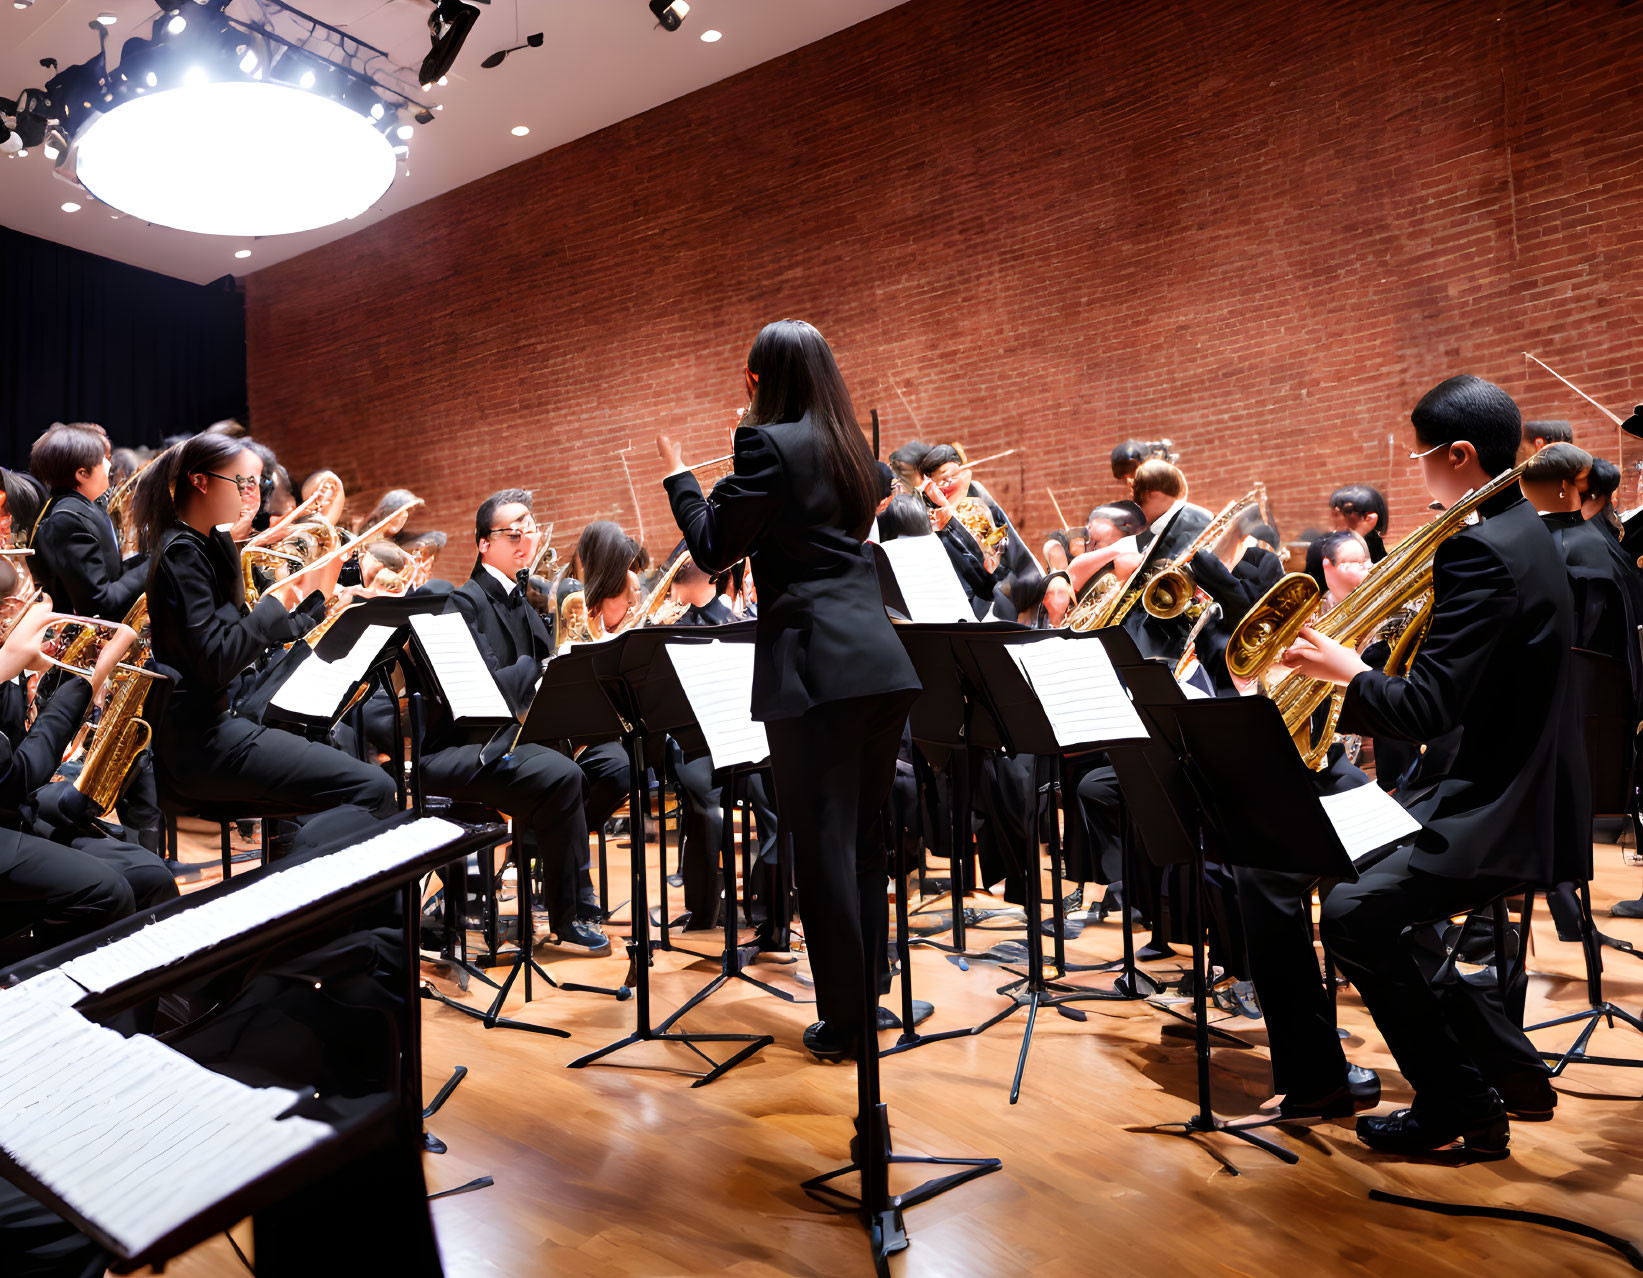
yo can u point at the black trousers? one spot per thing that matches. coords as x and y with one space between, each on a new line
702 829
61 892
1005 795
834 766
1449 1041
543 791
139 806
1307 1059
235 761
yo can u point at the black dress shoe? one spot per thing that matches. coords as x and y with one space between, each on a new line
772 940
1485 1133
1528 1095
922 1012
1627 909
585 934
1365 1086
828 1044
1361 1090
1154 950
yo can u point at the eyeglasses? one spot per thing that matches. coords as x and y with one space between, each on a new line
513 534
245 483
1434 448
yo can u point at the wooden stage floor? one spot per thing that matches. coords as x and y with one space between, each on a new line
624 1169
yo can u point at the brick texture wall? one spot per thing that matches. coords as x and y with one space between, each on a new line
1260 229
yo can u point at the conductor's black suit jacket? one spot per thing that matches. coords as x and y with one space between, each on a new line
822 633
1495 665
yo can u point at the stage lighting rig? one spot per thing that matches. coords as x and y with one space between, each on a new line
670 13
223 125
448 27
495 60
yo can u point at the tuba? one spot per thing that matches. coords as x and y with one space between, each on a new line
1399 588
1171 590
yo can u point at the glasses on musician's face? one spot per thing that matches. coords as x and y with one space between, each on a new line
245 483
1434 448
513 534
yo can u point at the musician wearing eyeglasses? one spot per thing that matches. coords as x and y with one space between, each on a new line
202 630
539 787
1493 666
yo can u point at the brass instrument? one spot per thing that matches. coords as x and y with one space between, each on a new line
383 529
302 546
1172 590
122 734
1115 601
1401 582
977 520
1097 601
119 508
328 493
578 625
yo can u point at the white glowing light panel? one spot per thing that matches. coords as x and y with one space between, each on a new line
236 158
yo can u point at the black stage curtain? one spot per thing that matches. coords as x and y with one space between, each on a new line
83 338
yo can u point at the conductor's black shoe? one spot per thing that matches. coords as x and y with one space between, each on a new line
1528 1095
1482 1134
1154 950
586 934
1627 909
922 1012
828 1044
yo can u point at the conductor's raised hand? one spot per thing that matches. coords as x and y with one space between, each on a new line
672 455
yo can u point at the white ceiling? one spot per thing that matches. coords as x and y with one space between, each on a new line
602 61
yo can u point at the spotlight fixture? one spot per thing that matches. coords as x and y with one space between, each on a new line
107 19
712 37
495 60
448 27
71 207
520 130
22 4
242 253
670 13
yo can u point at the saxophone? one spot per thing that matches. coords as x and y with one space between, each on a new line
122 734
1400 584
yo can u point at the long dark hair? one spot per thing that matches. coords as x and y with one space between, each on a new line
797 375
607 555
154 501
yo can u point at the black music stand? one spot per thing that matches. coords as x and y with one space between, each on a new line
558 711
633 676
393 1124
1237 759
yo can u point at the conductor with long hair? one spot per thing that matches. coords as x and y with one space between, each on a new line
831 681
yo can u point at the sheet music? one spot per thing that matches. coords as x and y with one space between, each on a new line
135 1137
270 897
316 688
928 582
1076 684
718 680
1368 819
464 678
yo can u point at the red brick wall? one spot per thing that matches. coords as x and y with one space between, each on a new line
1262 230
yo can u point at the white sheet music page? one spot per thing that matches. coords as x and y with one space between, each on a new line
134 1136
718 680
464 677
929 585
271 896
1080 691
316 688
1368 819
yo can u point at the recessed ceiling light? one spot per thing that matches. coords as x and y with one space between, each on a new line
243 253
712 37
71 207
107 19
520 130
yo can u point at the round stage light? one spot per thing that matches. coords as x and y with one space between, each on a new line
242 158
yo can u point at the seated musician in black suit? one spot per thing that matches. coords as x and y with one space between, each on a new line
1172 524
539 787
77 561
202 630
1495 665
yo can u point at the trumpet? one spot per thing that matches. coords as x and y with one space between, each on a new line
384 529
327 495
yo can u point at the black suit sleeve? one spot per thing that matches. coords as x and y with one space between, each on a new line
78 560
721 529
35 759
1473 595
1228 589
215 650
518 681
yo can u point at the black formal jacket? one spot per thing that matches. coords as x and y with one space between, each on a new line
201 628
77 560
1159 638
715 612
513 640
1495 665
30 759
1608 590
823 634
1235 591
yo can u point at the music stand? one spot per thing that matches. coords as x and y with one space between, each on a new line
1239 763
631 673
